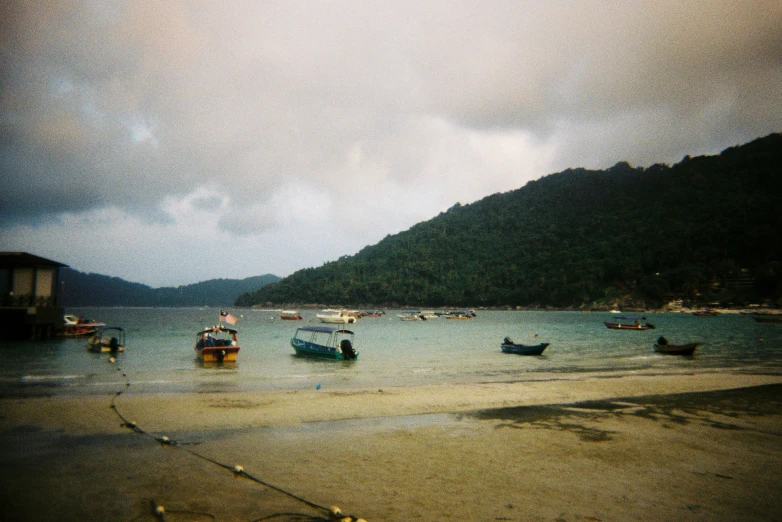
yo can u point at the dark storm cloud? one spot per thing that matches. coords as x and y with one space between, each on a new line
258 121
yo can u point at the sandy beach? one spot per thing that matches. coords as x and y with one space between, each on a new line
564 448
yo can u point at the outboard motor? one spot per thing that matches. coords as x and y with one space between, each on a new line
347 349
113 344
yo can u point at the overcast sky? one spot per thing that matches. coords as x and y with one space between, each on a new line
169 142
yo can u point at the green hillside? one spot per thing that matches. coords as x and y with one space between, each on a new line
80 289
704 229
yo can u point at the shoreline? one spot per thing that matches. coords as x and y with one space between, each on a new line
596 447
217 410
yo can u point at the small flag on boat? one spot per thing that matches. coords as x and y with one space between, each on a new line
228 318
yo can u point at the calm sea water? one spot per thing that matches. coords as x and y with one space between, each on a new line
159 356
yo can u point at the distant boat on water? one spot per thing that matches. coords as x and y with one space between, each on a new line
629 323
290 315
508 346
460 314
338 317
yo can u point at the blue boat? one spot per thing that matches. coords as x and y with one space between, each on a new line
325 342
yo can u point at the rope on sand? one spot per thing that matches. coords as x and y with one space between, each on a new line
331 513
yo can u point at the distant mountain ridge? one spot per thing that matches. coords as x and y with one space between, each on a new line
87 289
704 230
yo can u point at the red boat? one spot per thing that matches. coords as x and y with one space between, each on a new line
76 326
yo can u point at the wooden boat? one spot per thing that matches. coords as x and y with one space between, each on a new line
290 315
109 339
76 326
662 346
508 346
340 317
217 344
324 342
629 323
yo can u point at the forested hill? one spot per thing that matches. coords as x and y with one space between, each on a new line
705 229
80 289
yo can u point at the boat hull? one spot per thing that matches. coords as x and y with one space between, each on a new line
674 349
81 330
522 349
218 353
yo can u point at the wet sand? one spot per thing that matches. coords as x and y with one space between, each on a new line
572 448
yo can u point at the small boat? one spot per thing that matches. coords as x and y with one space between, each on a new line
217 344
325 342
290 315
340 317
460 314
372 313
704 313
75 326
508 346
109 339
412 316
629 323
662 346
429 314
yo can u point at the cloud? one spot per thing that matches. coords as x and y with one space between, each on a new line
352 119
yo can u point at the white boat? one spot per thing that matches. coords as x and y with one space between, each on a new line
340 317
411 316
75 325
460 314
429 314
290 315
